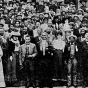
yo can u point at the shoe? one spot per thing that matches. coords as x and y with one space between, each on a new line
22 83
55 78
69 81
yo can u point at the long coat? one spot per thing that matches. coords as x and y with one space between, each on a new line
2 81
85 61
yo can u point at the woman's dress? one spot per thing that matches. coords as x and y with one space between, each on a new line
2 81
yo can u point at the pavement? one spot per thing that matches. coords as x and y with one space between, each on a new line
48 87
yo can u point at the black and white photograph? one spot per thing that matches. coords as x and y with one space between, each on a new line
43 43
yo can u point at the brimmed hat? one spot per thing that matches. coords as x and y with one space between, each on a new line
72 35
41 14
44 35
71 23
13 33
1 10
1 25
71 3
18 15
82 29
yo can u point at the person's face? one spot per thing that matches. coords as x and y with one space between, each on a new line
41 16
62 8
59 37
63 13
0 4
84 24
22 10
17 24
11 5
2 21
56 20
10 14
66 21
72 39
82 32
11 26
71 26
75 18
25 30
83 3
5 11
26 22
19 18
29 13
27 40
79 12
12 11
60 26
37 24
70 9
68 33
73 11
58 11
85 18
45 21
16 11
39 31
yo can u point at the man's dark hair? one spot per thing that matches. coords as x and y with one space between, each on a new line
27 36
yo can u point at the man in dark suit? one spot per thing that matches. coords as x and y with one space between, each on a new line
71 50
85 60
28 52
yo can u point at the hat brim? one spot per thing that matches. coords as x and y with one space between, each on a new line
15 34
73 37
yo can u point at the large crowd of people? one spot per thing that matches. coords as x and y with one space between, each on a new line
42 42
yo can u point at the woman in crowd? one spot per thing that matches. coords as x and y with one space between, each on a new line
2 80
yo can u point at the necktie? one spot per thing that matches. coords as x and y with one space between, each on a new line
72 48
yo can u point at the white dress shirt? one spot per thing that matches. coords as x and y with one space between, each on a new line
59 44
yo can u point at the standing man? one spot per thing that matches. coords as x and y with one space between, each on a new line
85 60
28 52
71 54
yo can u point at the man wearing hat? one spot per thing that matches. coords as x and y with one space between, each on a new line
13 60
82 33
70 52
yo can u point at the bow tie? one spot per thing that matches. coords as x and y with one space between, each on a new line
71 43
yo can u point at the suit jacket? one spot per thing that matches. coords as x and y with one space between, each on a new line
85 53
11 47
77 53
32 50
